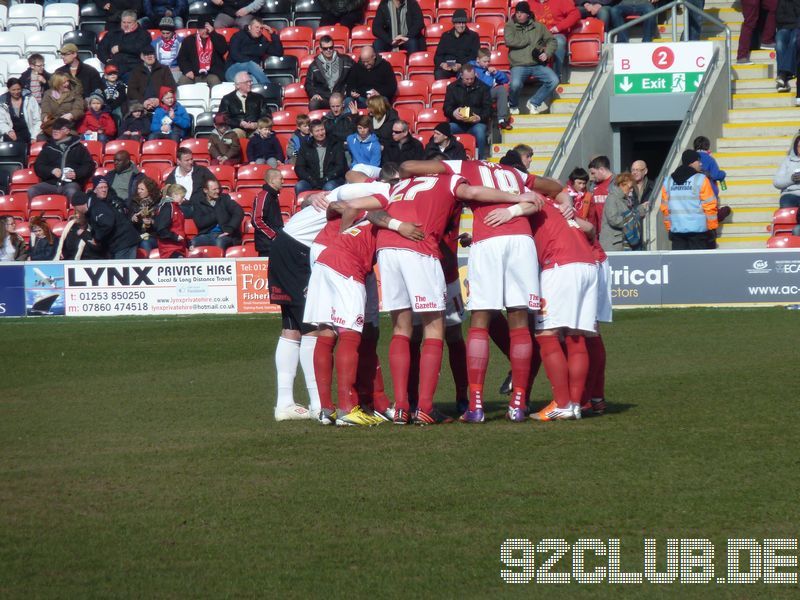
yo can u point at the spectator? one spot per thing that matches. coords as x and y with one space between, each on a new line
76 241
123 179
530 46
602 176
136 124
112 231
97 123
155 10
442 141
64 165
559 18
578 190
223 144
321 164
715 175
363 145
242 108
267 218
169 223
115 93
327 75
344 12
147 79
339 122
787 16
496 81
371 76
398 25
43 241
102 190
12 245
620 206
86 75
787 177
115 9
301 135
142 212
61 101
695 25
170 119
236 13
201 58
20 116
599 9
751 13
403 145
525 155
642 184
457 47
634 8
35 78
249 48
191 176
218 218
125 46
383 117
689 206
167 46
264 147
469 107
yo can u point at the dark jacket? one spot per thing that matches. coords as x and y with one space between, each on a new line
225 213
71 243
145 83
116 95
189 61
87 76
410 150
130 48
340 127
70 153
112 230
132 124
25 79
267 219
225 146
461 49
380 78
787 15
647 192
256 107
245 48
382 25
117 6
40 249
384 132
454 151
229 7
268 147
476 96
155 9
316 83
334 164
199 177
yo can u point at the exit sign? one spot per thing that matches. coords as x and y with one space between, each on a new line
675 68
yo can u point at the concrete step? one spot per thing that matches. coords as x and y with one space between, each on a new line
747 185
756 56
767 100
736 201
759 71
526 135
758 172
563 107
744 228
750 158
761 85
767 142
541 121
781 113
750 214
540 147
580 75
745 240
750 129
726 15
573 91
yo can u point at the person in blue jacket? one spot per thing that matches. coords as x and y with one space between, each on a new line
711 170
496 80
170 119
364 145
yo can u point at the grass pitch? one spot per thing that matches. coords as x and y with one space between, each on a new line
139 458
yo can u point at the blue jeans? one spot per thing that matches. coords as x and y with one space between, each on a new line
560 57
149 244
786 50
255 71
604 14
478 131
695 24
125 254
303 185
620 11
213 239
519 75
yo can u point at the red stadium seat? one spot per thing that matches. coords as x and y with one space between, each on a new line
490 8
14 206
24 230
339 33
245 198
398 62
434 33
22 179
428 8
52 206
408 113
289 176
287 200
304 64
468 141
429 118
420 62
284 138
285 121
301 197
784 241
199 148
248 230
585 43
361 36
499 59
225 174
155 172
241 252
190 227
486 30
161 152
413 92
251 176
36 147
297 37
243 142
294 94
783 221
317 114
227 32
154 33
439 89
132 147
95 148
155 254
446 8
206 252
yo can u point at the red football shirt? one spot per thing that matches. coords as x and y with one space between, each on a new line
599 195
352 253
558 241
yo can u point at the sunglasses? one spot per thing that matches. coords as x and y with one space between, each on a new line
326 48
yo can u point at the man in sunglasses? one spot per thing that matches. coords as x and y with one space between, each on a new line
327 74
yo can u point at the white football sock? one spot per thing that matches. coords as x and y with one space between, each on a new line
287 356
307 345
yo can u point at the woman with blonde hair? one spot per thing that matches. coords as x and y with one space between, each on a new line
169 223
383 117
61 100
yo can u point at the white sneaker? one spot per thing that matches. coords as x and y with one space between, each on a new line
513 110
314 412
576 410
537 109
295 412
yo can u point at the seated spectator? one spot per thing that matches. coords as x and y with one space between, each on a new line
124 47
363 145
442 141
97 123
191 176
167 46
61 101
147 79
122 180
340 121
12 244
559 18
371 76
300 136
383 117
267 218
169 223
630 8
142 211
114 10
223 144
86 75
64 165
642 184
43 240
218 218
620 206
264 147
35 78
398 25
112 231
170 119
599 9
403 145
469 107
242 108
77 242
236 13
155 10
496 81
201 58
136 124
689 206
114 91
249 48
787 16
344 12
787 177
456 48
327 75
321 164
20 116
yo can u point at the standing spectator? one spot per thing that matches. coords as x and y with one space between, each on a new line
328 74
191 176
751 13
457 47
371 76
689 205
695 24
223 144
167 46
143 211
123 178
320 165
62 100
35 78
86 75
599 9
403 145
634 8
530 46
20 117
169 223
12 244
43 241
242 108
64 165
496 81
125 46
559 18
97 121
344 12
339 122
469 107
236 13
201 58
113 90
111 230
363 145
170 119
787 17
301 135
136 124
398 25
383 117
642 184
442 141
710 169
267 218
249 48
155 10
264 147
621 204
148 78
218 218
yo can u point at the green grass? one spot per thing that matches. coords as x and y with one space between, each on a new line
139 458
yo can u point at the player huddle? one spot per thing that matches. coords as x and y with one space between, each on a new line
529 256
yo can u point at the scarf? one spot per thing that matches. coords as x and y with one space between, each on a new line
204 53
167 45
399 19
331 69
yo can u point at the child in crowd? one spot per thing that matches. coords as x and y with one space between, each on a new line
364 145
97 123
170 119
43 241
223 145
496 81
264 147
114 91
35 78
715 175
578 189
301 134
136 125
169 223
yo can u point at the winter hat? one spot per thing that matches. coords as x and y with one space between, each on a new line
134 106
460 16
163 91
166 24
97 180
96 96
523 7
689 156
443 128
148 50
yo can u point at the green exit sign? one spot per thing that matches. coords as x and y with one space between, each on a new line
657 83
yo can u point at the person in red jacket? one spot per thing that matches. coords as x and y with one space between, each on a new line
97 121
560 17
169 223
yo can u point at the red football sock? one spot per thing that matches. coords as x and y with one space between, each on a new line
578 362
520 356
399 364
555 365
323 369
477 363
380 401
457 356
346 367
498 331
413 372
595 386
536 364
430 364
